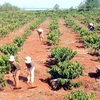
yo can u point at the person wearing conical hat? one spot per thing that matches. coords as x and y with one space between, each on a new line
91 26
15 70
31 67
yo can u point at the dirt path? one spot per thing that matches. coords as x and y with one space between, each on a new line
18 32
80 24
39 53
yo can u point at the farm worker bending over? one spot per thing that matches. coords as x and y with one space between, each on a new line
40 32
31 67
91 27
15 70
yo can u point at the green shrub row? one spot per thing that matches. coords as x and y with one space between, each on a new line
63 70
87 36
54 33
80 95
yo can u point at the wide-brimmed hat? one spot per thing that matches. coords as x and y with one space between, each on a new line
11 58
91 24
28 59
40 30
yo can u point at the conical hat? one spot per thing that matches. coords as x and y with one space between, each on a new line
91 24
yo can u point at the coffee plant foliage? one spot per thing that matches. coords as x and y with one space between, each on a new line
62 54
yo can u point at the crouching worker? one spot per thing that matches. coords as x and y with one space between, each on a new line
15 70
91 27
31 67
40 33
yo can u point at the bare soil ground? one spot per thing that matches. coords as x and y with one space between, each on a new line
40 53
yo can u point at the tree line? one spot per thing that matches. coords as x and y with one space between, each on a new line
89 5
8 7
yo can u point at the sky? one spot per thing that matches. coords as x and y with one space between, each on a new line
43 3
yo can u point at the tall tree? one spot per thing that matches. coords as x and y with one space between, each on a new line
56 7
89 5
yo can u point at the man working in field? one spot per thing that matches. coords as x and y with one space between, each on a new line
15 70
40 32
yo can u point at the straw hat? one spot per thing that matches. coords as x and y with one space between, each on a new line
11 58
91 24
28 59
40 30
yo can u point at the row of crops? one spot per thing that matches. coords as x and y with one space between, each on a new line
13 20
54 33
90 39
62 71
89 17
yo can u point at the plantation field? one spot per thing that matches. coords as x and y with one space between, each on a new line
70 31
40 54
